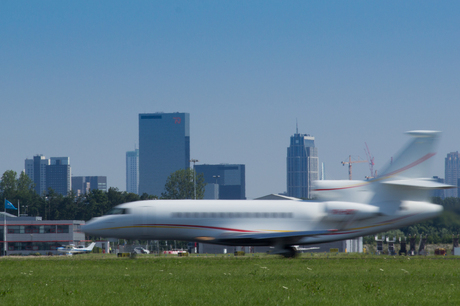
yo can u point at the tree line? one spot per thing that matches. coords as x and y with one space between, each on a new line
20 191
437 230
179 185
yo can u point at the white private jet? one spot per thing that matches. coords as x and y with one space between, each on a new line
341 210
72 249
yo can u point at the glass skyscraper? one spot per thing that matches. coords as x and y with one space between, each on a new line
230 179
302 165
36 170
132 171
164 147
452 173
58 176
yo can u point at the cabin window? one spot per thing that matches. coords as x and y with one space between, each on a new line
117 211
231 215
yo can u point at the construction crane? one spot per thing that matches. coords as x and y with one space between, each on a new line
370 158
350 162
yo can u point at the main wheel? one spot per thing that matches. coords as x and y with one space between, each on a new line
290 253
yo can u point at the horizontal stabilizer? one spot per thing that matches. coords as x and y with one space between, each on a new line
419 183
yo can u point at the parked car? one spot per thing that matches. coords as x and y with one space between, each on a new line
140 250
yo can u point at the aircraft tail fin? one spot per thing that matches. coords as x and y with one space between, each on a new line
414 160
91 246
406 178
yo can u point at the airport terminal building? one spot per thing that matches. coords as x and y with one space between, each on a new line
26 235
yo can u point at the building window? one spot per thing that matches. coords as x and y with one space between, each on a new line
62 228
49 229
31 229
14 229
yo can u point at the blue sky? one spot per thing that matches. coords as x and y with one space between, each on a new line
74 75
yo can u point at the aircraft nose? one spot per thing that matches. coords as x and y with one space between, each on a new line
89 228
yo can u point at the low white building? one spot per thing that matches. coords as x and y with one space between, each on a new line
26 235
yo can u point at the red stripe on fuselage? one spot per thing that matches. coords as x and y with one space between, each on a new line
202 226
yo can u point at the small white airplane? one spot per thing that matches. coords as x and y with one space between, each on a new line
341 210
72 249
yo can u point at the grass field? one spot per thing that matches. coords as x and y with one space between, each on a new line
227 280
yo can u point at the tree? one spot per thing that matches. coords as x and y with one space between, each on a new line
97 204
130 197
146 196
52 202
180 185
9 185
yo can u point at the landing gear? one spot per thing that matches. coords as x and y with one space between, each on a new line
285 250
290 252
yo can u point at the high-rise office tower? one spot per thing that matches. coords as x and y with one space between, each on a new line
132 171
58 175
302 165
84 184
230 179
164 147
438 192
79 185
452 173
49 173
36 170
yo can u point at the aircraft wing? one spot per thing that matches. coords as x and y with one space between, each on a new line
261 238
419 183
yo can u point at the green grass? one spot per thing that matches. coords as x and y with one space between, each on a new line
227 280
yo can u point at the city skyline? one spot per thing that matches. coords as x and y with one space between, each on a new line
450 172
75 77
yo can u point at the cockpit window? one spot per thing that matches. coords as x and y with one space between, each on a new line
117 211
